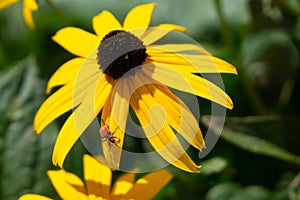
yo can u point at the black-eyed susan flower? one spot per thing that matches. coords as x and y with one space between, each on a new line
121 66
28 7
97 184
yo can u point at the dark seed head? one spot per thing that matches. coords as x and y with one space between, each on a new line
119 52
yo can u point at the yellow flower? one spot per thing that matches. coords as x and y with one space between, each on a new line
28 7
105 79
98 183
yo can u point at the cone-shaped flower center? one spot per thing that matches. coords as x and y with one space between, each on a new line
119 52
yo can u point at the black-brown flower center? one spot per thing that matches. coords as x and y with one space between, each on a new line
119 52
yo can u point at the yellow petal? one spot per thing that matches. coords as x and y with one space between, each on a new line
54 106
33 197
194 63
158 132
139 17
80 119
6 3
157 32
67 185
65 73
114 115
120 102
149 185
97 178
31 4
190 83
171 48
64 99
104 23
77 41
122 186
28 7
179 116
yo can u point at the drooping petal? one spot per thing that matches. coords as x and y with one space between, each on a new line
6 3
104 23
155 33
120 102
81 119
149 185
65 98
190 83
194 63
110 150
186 125
77 41
158 132
139 18
171 48
28 7
114 115
166 144
123 184
65 73
33 197
67 185
179 115
97 178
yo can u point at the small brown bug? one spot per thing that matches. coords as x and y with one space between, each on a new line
106 134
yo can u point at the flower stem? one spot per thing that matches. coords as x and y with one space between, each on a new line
225 30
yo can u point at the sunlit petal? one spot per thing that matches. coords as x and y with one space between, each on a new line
158 132
54 106
120 102
194 63
157 32
104 23
114 115
189 83
139 17
80 119
33 197
123 184
61 101
97 178
149 185
67 185
179 115
65 73
171 48
186 125
77 41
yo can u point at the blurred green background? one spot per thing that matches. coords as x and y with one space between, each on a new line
258 155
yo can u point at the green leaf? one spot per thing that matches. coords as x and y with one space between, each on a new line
252 192
258 145
25 157
222 191
232 191
251 143
213 165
